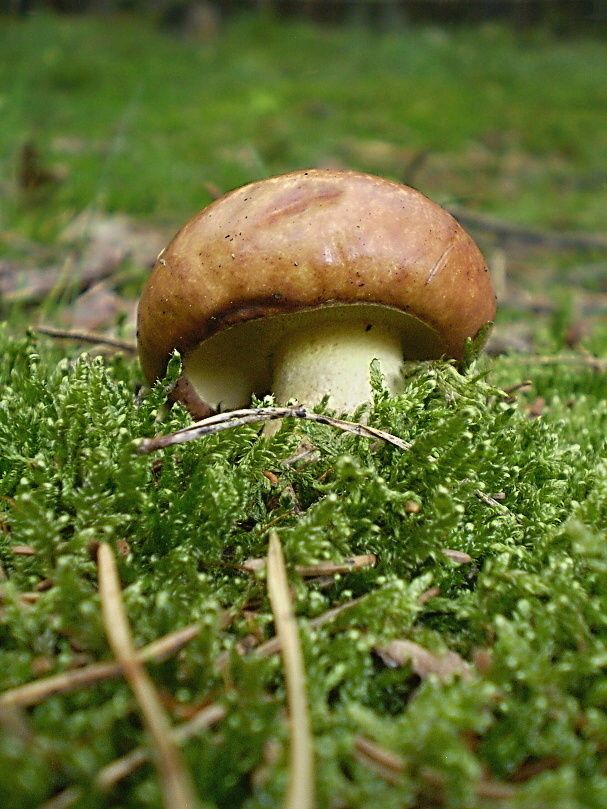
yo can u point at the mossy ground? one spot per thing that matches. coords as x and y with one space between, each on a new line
528 609
518 487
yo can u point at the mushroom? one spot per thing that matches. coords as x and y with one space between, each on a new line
295 284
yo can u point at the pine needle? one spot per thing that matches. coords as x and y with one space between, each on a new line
121 767
124 766
300 793
176 783
37 691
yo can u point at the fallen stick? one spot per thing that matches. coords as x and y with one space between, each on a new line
536 237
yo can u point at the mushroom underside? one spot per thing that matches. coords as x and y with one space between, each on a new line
306 355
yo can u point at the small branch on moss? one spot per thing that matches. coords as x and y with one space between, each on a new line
334 568
273 646
35 692
300 794
519 386
87 337
238 418
177 787
493 503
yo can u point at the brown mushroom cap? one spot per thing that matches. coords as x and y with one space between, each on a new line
311 239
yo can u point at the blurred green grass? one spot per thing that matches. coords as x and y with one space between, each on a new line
146 122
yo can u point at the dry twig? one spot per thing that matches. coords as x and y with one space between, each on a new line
238 418
176 783
596 363
523 234
87 337
390 766
300 793
122 767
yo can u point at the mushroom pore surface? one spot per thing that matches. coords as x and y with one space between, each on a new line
294 284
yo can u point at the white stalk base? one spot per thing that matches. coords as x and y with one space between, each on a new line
334 360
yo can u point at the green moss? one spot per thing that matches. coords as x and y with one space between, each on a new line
532 602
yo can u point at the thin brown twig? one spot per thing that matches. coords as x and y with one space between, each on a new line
334 568
87 337
493 503
596 363
273 646
322 568
176 783
300 792
387 764
37 691
390 766
238 418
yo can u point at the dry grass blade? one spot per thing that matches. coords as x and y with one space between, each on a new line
238 418
39 690
300 794
176 782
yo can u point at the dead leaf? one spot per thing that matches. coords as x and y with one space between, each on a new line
97 308
400 653
32 173
112 238
272 477
459 557
536 408
428 595
24 550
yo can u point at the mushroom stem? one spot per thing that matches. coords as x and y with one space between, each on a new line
335 359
